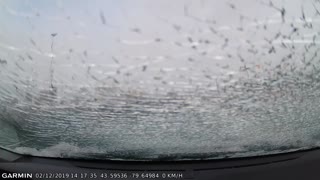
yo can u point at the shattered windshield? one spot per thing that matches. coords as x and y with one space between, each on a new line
166 80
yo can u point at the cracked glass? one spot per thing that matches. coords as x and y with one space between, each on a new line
159 80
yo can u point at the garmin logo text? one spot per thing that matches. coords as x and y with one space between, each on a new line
16 175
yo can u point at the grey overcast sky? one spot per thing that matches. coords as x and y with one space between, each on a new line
111 39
